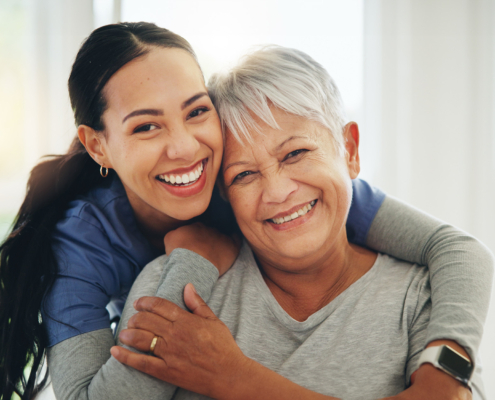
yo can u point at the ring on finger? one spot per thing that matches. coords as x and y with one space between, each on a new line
153 344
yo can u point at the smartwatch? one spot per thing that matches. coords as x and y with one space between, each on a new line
448 360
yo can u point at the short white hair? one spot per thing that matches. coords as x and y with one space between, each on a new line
289 79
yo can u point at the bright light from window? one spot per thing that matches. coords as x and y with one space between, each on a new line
221 31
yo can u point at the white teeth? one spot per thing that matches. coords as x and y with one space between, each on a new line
189 178
294 215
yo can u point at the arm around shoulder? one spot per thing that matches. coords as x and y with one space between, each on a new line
461 268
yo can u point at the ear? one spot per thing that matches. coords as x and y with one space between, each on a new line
94 144
351 141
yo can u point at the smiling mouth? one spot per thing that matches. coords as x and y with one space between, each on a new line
179 180
296 214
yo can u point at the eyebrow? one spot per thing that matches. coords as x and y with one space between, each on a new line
288 140
155 112
188 102
146 111
234 164
277 149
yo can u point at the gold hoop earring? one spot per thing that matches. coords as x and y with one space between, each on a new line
104 175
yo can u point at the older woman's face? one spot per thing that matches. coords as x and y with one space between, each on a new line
291 189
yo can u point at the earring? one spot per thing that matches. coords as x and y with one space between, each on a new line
104 175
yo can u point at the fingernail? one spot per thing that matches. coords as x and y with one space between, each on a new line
135 303
193 288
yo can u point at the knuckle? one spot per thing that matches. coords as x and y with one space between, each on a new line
155 303
174 314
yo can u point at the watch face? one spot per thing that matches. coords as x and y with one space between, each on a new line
455 363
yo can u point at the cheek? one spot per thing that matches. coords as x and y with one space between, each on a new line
211 135
243 202
133 157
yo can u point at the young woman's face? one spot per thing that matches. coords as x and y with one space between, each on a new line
162 135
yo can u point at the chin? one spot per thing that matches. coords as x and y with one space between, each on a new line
185 212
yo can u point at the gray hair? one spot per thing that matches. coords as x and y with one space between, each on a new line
289 79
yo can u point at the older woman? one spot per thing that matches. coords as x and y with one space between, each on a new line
302 312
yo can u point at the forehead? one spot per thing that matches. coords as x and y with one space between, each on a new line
269 141
163 74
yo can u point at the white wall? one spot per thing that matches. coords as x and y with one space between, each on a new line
428 133
429 114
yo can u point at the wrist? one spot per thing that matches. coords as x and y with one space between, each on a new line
447 360
238 381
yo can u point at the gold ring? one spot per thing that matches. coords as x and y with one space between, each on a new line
153 344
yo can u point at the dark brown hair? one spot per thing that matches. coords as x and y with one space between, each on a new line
27 264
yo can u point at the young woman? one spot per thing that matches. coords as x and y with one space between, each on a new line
144 162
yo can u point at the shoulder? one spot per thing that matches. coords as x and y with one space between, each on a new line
99 204
404 282
101 225
366 201
400 275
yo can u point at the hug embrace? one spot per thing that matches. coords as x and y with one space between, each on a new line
261 267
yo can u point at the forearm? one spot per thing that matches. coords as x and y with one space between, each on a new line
82 368
461 269
257 382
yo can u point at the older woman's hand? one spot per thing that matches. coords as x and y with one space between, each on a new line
219 249
197 352
194 351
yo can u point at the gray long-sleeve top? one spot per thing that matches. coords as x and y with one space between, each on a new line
461 272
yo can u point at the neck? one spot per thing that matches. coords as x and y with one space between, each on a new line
153 224
316 283
155 230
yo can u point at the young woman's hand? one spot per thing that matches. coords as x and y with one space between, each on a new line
221 250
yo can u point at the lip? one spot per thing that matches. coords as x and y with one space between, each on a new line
291 211
295 222
186 170
189 190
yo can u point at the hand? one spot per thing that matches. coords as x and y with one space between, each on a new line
431 383
221 250
194 351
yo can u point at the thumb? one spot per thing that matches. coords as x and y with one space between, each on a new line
195 303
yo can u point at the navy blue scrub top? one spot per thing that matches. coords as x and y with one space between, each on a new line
100 252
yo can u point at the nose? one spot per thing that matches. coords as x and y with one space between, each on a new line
277 188
181 144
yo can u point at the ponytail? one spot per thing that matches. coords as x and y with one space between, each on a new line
27 263
28 267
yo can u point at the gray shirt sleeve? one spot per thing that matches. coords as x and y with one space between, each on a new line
82 368
461 269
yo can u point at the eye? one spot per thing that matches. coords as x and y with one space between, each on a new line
242 175
295 153
145 128
197 112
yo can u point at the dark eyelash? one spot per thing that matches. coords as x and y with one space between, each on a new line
297 152
241 175
141 128
204 109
